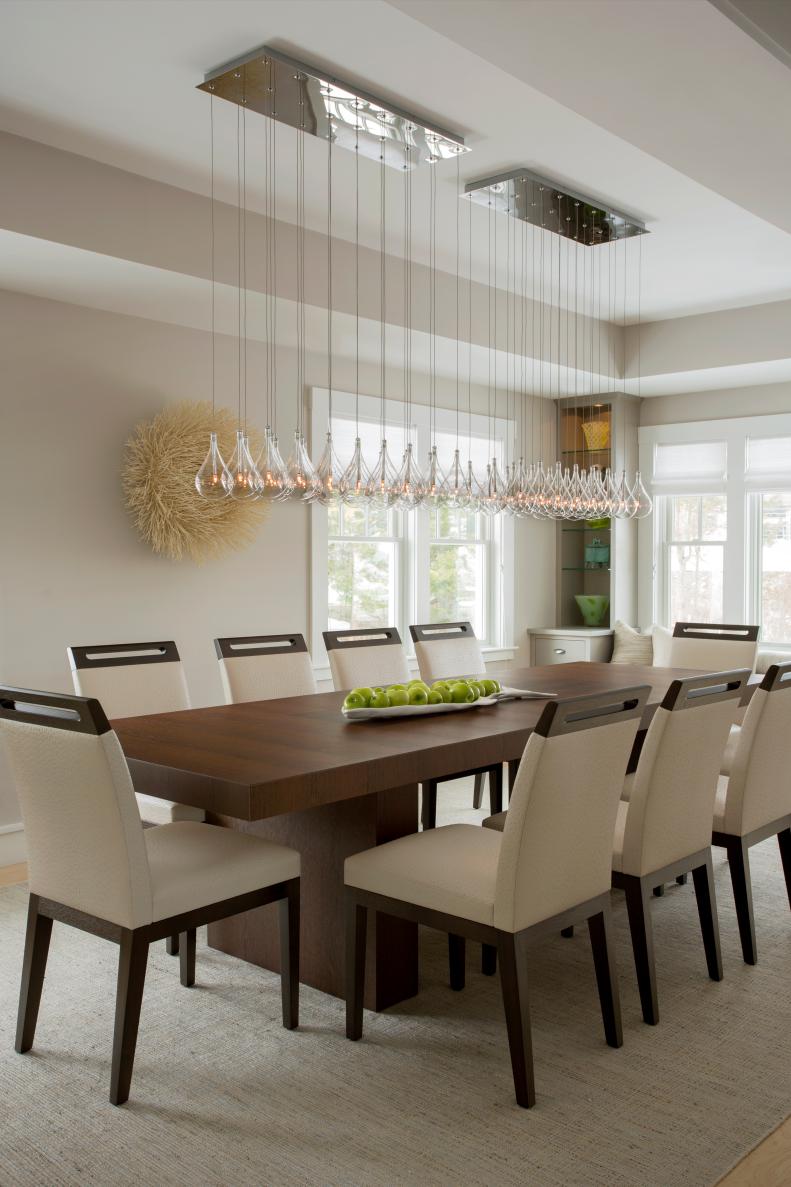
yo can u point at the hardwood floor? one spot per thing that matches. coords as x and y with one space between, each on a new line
11 875
768 1165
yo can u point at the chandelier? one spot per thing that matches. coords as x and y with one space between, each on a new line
568 263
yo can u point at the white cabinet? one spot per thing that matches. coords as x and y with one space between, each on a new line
556 645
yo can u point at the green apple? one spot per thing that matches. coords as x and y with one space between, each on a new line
364 692
475 690
394 687
478 685
419 684
418 695
379 700
461 693
435 697
354 701
489 687
497 685
397 696
440 685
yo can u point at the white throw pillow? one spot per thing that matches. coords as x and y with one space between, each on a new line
630 646
662 638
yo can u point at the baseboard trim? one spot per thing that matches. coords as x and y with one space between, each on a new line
12 844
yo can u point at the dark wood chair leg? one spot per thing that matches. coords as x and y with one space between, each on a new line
567 932
512 953
703 877
172 945
739 862
356 927
477 795
488 960
428 811
638 906
131 980
659 891
682 879
603 947
34 966
288 909
457 957
187 958
513 767
784 841
495 789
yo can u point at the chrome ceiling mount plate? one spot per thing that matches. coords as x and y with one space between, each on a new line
294 93
543 203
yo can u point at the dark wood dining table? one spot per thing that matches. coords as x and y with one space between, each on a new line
295 771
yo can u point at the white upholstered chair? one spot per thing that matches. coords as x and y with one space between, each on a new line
445 649
548 868
663 828
754 798
262 667
712 647
131 680
365 657
92 864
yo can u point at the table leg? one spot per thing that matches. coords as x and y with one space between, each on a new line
325 837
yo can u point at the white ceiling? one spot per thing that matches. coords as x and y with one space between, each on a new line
633 102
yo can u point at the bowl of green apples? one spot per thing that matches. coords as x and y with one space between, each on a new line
417 697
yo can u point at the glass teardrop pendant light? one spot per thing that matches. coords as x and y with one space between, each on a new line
494 490
245 477
434 493
271 467
409 483
354 480
644 501
300 471
326 476
213 480
381 486
455 486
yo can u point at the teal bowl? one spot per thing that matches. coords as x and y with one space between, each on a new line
593 608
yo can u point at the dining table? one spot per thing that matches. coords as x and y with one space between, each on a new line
295 771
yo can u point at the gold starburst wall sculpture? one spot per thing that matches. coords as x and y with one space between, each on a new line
161 460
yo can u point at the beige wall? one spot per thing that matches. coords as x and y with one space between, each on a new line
764 400
74 383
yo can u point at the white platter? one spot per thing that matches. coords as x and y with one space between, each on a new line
505 694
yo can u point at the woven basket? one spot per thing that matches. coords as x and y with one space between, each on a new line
597 434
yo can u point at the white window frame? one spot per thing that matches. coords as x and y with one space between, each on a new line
413 593
741 578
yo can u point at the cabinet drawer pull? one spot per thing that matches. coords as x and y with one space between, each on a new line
560 651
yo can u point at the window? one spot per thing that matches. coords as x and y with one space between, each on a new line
774 534
378 567
718 548
696 536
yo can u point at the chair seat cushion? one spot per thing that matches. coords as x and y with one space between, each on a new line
451 869
620 829
156 811
193 865
628 785
730 750
720 802
497 821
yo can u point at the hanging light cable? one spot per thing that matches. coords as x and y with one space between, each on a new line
352 486
213 479
380 488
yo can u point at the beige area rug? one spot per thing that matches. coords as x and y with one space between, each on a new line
223 1095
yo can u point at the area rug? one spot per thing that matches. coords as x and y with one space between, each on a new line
223 1095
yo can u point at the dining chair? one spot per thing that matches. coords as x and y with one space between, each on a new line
549 867
261 667
91 864
753 799
131 680
662 827
366 656
714 647
451 649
